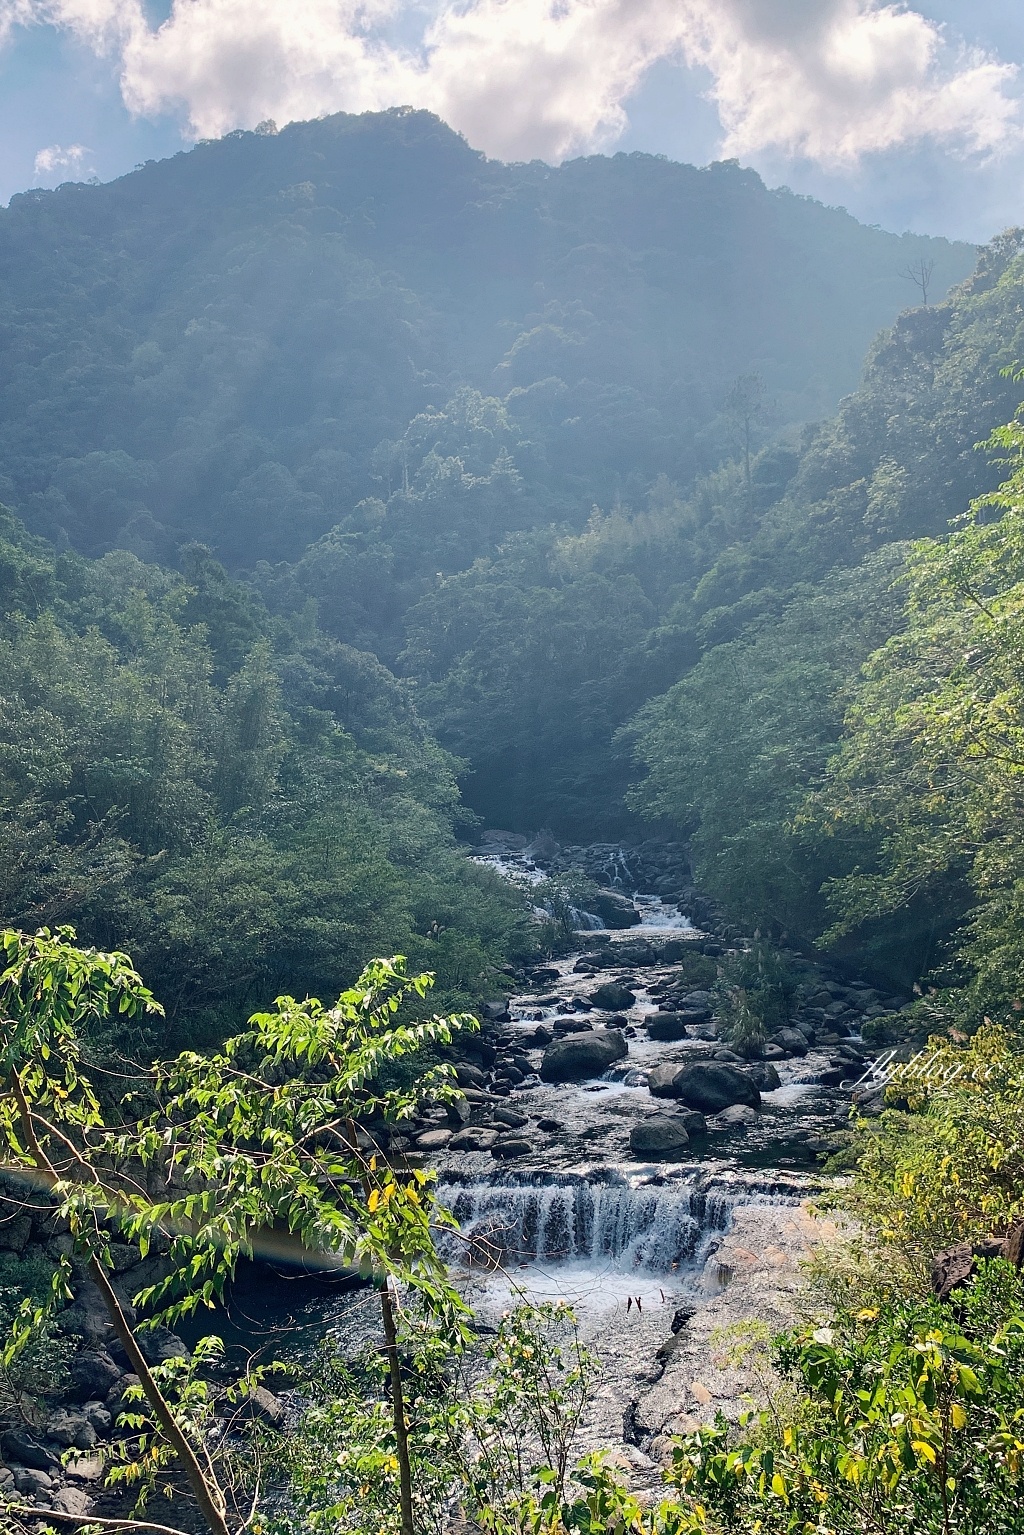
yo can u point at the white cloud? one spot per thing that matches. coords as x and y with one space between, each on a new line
58 157
830 80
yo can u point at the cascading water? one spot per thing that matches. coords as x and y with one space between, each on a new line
507 1221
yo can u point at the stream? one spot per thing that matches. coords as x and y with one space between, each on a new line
550 1200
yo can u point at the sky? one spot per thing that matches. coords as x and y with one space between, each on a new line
910 115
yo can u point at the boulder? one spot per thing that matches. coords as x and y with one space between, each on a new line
510 1119
433 1140
764 1076
661 1082
711 1086
72 1500
698 1002
32 1483
793 1041
71 1429
550 1126
660 1136
469 1076
634 951
258 1403
615 910
473 1139
612 997
582 1055
458 1112
737 1117
668 1026
92 1375
507 1146
19 1445
954 1266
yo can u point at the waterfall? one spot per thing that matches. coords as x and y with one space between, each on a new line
511 1220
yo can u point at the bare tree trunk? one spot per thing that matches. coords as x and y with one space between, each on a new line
398 1409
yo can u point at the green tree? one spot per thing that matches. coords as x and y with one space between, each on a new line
261 1136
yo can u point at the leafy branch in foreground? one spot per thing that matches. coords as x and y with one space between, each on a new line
262 1138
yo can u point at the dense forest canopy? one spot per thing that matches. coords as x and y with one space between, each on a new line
359 471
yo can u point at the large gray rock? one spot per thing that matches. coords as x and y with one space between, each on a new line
792 1040
92 1375
737 1117
614 910
582 1055
512 1145
764 1076
433 1140
71 1429
74 1501
711 1086
18 1444
660 1137
612 997
473 1139
669 1026
661 1081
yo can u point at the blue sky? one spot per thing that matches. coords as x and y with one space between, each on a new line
912 116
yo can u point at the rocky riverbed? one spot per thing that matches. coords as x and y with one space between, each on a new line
611 1150
607 1148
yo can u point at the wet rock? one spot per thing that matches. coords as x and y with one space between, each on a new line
582 1055
661 1081
495 1012
737 1116
17 1444
433 1140
550 1126
615 910
475 1139
635 951
541 1035
659 1136
545 976
764 1076
712 1086
613 997
791 1040
507 1146
258 1403
510 1119
668 1026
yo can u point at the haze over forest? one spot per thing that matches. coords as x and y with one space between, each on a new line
361 493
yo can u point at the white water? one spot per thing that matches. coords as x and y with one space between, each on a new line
657 1230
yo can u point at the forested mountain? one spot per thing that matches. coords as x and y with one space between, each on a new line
532 447
242 343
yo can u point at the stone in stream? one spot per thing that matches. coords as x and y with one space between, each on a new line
510 1119
473 1139
511 1146
615 910
430 1140
582 1055
659 1136
612 996
792 1040
764 1075
458 1111
668 1027
709 1086
737 1117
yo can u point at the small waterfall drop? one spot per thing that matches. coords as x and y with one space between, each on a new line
508 1221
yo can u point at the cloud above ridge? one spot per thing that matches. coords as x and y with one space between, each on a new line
829 81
